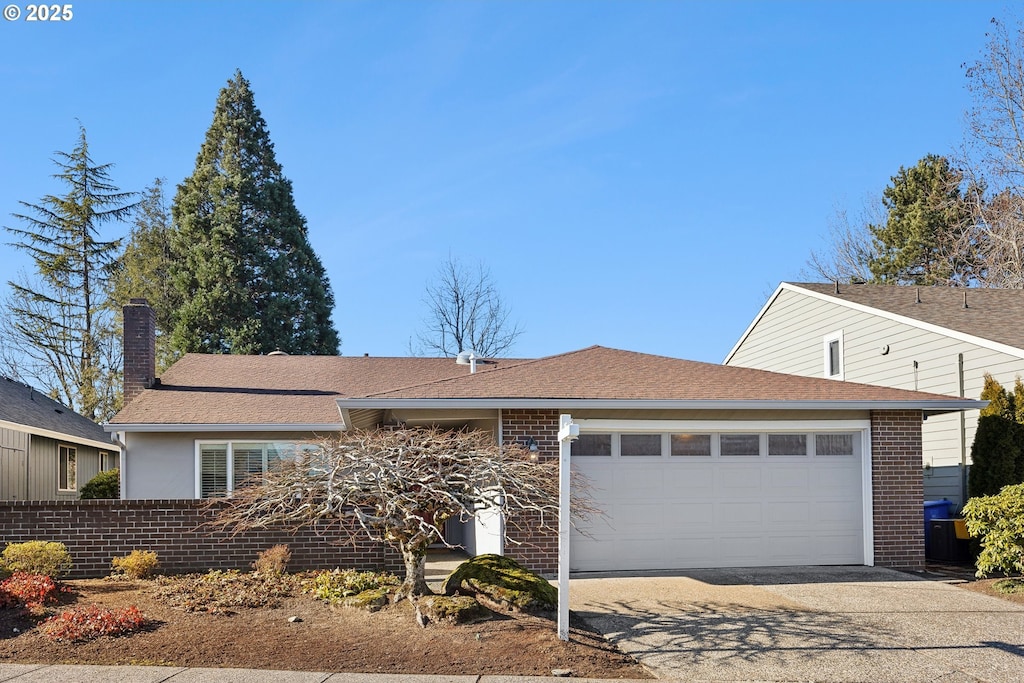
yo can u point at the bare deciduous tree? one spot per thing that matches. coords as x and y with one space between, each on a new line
994 157
850 250
466 314
400 487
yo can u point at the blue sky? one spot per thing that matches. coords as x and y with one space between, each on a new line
634 174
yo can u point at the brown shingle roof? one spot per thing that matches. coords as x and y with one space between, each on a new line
225 389
602 373
993 314
304 390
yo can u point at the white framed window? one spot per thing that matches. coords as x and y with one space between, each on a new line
832 349
67 468
223 466
107 461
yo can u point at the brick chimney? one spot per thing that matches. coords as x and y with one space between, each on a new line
139 348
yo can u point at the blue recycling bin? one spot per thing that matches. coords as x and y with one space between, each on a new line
934 509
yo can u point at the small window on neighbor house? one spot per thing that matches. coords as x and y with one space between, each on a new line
592 444
740 444
691 444
67 468
834 355
107 462
640 444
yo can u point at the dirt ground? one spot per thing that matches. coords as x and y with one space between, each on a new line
986 586
326 639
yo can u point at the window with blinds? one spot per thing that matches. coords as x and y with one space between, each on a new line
226 466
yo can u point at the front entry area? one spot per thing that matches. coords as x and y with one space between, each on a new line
717 498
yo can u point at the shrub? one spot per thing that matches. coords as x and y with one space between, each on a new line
218 590
105 485
138 564
38 557
273 560
999 521
334 586
86 623
31 590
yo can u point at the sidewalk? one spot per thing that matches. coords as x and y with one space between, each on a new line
62 673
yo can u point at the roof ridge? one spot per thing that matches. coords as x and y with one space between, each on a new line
528 361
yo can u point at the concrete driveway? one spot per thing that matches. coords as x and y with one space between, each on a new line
805 624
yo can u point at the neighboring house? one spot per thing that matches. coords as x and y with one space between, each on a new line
935 339
47 451
693 464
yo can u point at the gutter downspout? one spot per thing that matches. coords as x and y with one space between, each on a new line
963 435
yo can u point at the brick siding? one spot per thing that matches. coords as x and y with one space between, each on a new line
534 549
898 488
96 531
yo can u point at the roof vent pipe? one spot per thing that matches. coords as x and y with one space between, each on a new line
837 286
918 296
467 358
965 299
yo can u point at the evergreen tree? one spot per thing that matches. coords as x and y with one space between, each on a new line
920 242
247 276
143 270
996 456
58 322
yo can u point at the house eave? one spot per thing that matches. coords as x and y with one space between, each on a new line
930 407
225 427
60 436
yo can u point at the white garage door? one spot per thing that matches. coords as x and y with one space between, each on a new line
690 500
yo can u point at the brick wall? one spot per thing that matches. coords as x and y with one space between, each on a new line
95 531
534 548
898 488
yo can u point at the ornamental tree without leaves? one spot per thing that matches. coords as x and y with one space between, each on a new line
400 487
58 334
248 279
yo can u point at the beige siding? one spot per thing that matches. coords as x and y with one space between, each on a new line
789 338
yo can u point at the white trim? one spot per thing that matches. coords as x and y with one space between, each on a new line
690 426
944 405
754 322
868 498
826 343
227 427
70 448
60 436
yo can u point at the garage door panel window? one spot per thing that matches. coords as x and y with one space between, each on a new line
592 445
787 444
640 445
691 445
834 444
740 444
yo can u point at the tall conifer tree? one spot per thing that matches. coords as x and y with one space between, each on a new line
249 280
57 321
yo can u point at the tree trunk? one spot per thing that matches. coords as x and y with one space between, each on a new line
415 583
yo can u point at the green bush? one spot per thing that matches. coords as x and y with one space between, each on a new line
999 522
138 564
335 586
37 557
105 485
